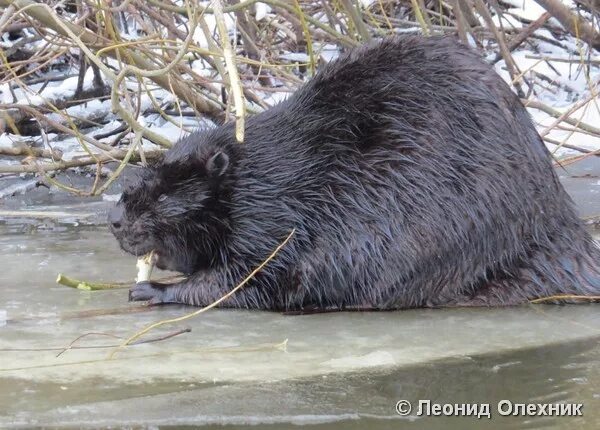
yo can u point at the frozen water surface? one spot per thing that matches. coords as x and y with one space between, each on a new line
339 370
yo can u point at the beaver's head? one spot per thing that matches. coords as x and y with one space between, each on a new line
178 206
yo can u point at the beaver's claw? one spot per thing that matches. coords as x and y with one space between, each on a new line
154 293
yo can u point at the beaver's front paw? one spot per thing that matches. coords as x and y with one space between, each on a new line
149 291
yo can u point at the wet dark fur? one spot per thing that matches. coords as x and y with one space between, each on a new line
412 175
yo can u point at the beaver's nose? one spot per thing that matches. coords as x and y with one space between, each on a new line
115 217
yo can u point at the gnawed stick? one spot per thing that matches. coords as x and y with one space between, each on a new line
145 264
99 286
88 286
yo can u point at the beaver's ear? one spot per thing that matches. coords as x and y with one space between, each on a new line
217 164
156 160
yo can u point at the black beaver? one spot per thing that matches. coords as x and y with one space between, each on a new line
412 175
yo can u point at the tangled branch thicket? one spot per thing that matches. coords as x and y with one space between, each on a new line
90 83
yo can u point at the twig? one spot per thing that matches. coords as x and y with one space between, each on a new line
567 145
565 115
281 346
72 346
29 151
524 34
572 22
115 155
420 18
561 115
505 52
88 286
565 297
95 286
357 20
234 79
577 60
139 342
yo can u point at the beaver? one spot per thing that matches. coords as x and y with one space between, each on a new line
411 173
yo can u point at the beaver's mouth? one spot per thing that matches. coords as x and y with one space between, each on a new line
136 247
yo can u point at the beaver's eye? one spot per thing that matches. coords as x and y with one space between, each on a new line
162 197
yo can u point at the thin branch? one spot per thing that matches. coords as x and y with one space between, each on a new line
234 80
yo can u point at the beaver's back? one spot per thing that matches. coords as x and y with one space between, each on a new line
413 175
